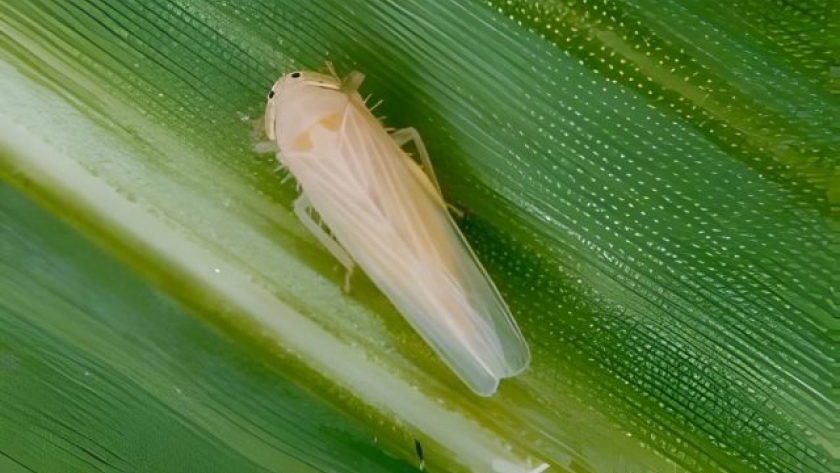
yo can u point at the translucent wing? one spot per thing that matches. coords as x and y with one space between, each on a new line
384 210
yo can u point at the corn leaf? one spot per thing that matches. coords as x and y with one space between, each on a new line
654 186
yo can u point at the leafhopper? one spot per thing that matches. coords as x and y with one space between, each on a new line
380 209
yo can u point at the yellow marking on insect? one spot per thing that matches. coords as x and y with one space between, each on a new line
303 142
331 122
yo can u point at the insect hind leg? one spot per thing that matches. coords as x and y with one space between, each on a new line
404 136
302 208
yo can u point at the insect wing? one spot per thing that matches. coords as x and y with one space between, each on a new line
389 217
430 273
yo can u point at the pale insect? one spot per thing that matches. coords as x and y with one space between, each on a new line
386 213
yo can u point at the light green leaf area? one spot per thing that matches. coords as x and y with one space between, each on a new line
652 184
101 372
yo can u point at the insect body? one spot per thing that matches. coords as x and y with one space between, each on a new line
387 215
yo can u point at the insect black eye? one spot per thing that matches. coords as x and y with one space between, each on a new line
295 75
271 94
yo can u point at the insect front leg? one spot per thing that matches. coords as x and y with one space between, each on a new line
302 208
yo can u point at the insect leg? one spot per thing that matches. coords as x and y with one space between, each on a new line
407 135
404 136
302 207
282 168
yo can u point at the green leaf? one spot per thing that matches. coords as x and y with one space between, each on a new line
103 373
654 186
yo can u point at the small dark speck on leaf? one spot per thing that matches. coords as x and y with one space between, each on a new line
419 449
